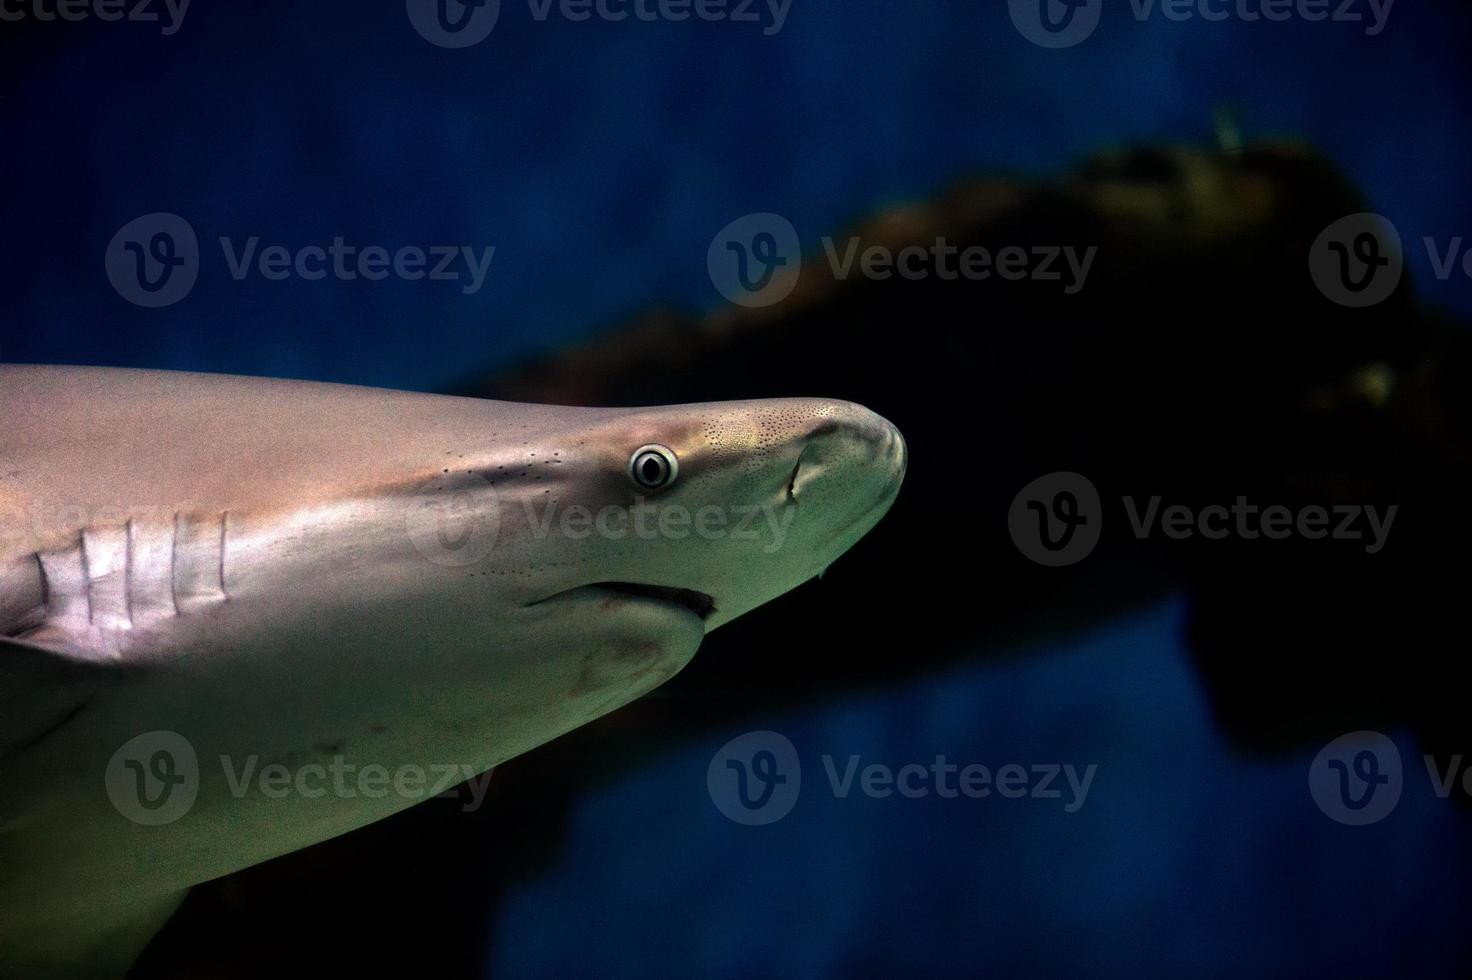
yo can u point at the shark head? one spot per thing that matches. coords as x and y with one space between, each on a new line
692 515
298 578
552 528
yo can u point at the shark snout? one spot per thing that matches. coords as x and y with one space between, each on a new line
853 460
758 497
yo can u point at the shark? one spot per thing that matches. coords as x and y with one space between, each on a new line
226 602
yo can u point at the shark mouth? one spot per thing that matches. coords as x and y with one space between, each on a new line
699 603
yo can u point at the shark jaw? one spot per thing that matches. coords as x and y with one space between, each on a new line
697 604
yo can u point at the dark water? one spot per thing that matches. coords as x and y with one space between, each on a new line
601 158
1185 857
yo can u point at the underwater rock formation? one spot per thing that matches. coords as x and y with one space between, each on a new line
1197 363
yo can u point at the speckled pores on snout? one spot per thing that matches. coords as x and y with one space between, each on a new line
743 501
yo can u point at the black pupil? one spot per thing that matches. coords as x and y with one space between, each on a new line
651 469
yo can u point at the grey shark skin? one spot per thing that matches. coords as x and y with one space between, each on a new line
297 573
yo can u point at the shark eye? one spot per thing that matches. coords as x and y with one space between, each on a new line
653 467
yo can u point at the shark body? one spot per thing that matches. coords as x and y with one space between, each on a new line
203 576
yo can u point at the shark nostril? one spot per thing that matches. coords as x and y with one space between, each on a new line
792 481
